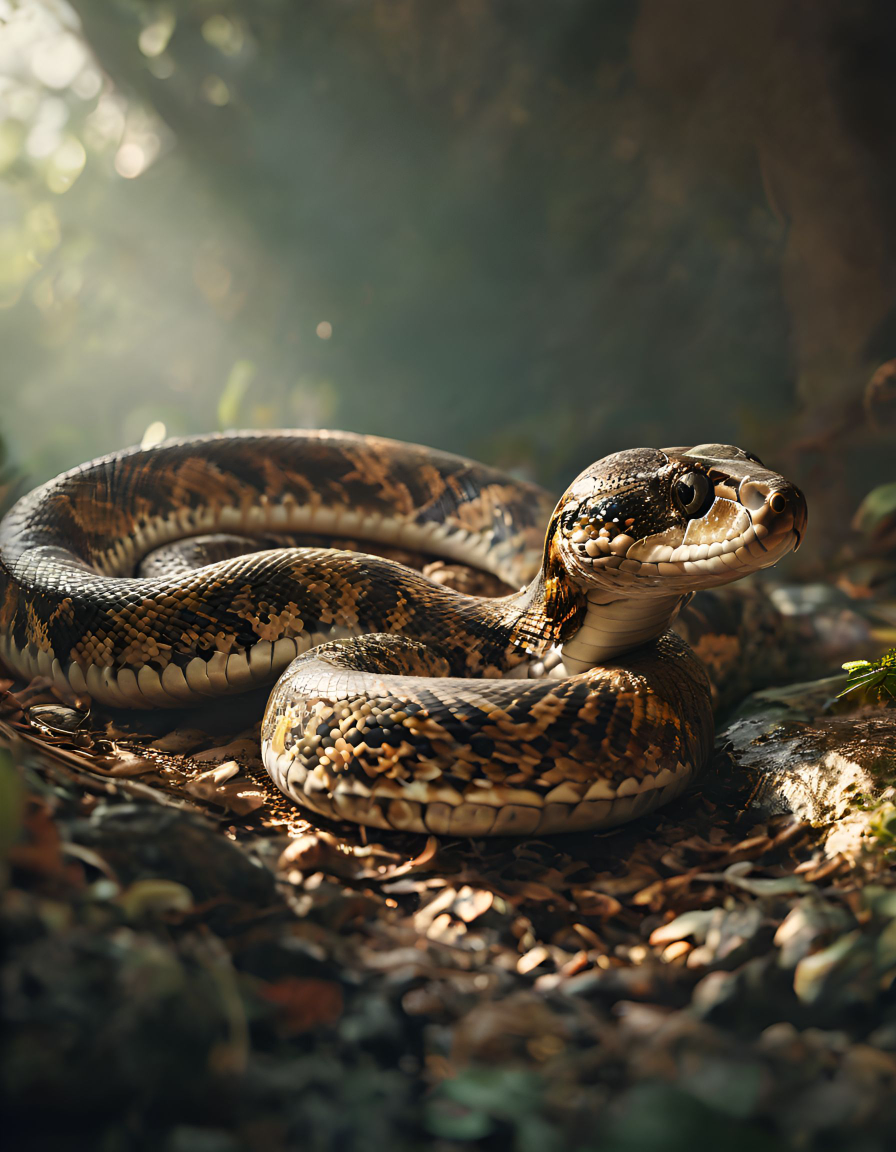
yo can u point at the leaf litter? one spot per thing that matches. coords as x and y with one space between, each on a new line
193 962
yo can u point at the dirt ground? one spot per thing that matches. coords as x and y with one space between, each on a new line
191 964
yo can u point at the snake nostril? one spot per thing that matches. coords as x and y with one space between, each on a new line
777 502
753 494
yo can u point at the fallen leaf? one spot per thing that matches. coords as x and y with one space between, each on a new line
471 903
303 1004
423 860
591 903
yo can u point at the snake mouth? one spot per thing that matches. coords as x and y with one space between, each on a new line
734 537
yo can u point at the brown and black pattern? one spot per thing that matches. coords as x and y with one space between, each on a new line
375 733
399 716
69 550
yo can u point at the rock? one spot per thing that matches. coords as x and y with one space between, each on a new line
147 842
824 767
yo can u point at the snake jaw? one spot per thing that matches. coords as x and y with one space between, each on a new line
649 545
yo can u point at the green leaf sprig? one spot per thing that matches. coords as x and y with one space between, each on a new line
877 676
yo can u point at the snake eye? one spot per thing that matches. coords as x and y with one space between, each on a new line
694 494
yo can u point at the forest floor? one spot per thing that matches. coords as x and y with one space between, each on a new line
192 965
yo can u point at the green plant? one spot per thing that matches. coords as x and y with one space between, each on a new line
876 676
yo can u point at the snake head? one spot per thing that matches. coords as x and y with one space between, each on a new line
675 519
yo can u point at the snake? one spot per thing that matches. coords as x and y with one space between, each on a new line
398 702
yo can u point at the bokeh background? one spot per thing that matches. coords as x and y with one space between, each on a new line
529 233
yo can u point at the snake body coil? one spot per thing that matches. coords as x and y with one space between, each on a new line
401 703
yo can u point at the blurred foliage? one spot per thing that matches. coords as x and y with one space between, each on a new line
876 513
473 202
530 239
10 480
481 1101
883 828
11 803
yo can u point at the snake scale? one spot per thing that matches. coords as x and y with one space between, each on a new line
401 703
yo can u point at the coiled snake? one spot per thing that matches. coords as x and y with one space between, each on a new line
402 703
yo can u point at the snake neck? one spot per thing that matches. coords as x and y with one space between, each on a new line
583 629
572 628
610 627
